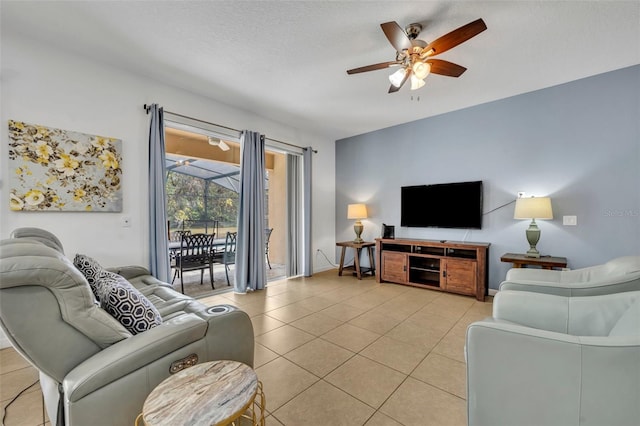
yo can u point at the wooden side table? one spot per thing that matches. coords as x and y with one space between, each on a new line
212 393
356 257
545 262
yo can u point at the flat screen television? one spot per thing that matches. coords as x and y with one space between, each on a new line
444 205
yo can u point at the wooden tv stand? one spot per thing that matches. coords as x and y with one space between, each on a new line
451 266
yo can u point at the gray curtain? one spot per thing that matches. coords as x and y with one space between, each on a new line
158 229
294 207
306 184
251 273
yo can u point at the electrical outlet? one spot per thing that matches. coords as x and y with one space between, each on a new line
521 194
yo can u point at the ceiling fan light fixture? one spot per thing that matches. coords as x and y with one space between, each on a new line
397 77
421 69
416 83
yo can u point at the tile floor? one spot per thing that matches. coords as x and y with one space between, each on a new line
334 351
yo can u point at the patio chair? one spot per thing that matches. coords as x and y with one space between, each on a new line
227 256
267 234
176 236
195 254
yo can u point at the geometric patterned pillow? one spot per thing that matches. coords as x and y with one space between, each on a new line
125 303
90 269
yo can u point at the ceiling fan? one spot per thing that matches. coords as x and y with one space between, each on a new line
219 143
414 55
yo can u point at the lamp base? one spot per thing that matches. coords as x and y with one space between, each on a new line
533 253
358 228
533 236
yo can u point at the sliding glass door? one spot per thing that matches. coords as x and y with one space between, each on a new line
203 172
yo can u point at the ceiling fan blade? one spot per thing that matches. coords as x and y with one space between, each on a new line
407 74
454 38
438 66
396 36
373 67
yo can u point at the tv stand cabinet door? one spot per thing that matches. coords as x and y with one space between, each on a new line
394 267
459 276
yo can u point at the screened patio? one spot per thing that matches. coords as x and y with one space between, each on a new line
209 172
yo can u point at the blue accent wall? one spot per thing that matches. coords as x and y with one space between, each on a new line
578 143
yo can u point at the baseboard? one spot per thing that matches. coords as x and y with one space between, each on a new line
323 269
493 292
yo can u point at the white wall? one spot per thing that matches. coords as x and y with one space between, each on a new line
48 86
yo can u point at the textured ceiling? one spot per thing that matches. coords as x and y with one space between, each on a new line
287 61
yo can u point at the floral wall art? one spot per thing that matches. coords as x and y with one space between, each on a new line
61 170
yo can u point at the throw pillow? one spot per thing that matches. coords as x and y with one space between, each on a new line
90 269
125 303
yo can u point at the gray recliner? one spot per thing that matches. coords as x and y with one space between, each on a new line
552 360
92 370
615 276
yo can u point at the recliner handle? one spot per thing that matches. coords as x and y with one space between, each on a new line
181 364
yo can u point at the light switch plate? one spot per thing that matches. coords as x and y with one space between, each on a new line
570 220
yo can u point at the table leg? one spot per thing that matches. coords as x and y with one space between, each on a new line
255 414
356 261
371 264
344 249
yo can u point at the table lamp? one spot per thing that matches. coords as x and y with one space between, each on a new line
357 212
533 208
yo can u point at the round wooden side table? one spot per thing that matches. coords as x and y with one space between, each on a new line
212 393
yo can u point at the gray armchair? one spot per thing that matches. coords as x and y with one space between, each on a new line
93 370
617 275
554 360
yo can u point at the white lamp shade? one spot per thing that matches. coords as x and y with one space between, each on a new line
416 83
397 77
357 211
421 69
533 208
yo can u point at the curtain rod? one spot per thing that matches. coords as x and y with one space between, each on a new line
147 107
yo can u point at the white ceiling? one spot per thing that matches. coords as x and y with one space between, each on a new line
287 60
